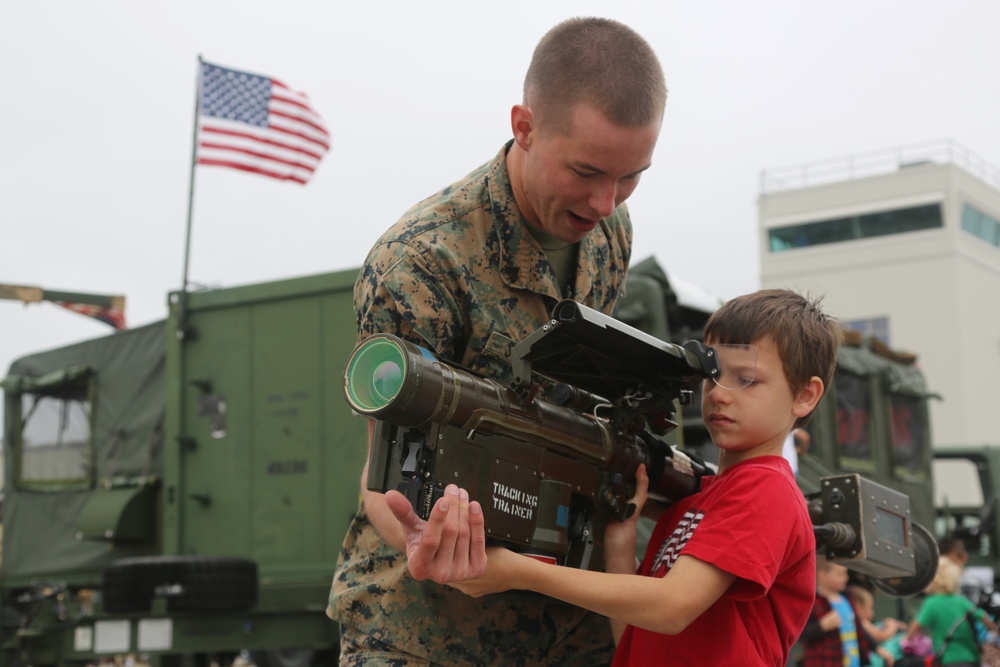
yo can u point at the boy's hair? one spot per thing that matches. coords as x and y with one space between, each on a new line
598 61
806 338
859 595
949 576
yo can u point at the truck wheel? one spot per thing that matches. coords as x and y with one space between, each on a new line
188 583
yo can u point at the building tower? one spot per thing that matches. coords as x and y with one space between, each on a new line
905 246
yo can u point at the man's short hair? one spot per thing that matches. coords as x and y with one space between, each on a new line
806 338
949 544
600 62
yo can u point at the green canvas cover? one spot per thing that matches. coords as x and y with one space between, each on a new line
124 377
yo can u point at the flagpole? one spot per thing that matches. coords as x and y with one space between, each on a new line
182 328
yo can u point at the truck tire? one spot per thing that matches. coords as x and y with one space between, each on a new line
188 583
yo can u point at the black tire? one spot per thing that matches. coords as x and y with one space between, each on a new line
188 583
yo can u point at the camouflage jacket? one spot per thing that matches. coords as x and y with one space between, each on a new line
460 275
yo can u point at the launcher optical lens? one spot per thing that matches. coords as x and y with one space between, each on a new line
375 374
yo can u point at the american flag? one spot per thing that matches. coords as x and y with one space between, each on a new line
258 124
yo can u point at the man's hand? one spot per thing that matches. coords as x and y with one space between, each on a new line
451 545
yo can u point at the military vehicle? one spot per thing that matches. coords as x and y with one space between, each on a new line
181 490
966 492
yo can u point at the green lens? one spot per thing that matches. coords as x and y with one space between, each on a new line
387 380
375 375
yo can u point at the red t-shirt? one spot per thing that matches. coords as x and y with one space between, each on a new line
750 521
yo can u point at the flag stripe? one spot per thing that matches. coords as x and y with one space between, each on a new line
264 156
256 170
297 119
228 155
293 131
269 142
257 124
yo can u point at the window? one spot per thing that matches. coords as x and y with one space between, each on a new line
873 327
909 436
856 227
981 225
55 445
853 420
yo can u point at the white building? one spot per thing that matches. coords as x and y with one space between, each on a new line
905 246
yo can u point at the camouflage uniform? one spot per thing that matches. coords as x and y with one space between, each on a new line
460 275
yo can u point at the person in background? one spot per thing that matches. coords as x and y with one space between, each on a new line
796 443
971 586
834 635
464 274
885 634
946 612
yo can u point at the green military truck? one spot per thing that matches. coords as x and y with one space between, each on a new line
182 490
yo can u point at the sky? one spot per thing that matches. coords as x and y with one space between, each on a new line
97 122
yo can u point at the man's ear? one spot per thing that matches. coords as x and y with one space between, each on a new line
522 123
808 397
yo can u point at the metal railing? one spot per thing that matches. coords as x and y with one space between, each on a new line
862 165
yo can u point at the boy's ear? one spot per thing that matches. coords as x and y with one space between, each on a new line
807 399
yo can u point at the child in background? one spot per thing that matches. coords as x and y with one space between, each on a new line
834 635
885 634
944 611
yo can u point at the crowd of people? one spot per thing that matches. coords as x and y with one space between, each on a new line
949 627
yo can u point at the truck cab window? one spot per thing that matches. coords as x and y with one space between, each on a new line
910 447
55 437
853 396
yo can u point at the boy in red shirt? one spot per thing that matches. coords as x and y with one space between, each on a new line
729 574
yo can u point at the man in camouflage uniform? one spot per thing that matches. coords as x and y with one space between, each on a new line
464 273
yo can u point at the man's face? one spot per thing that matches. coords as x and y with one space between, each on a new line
575 176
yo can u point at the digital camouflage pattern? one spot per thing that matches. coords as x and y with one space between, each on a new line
461 275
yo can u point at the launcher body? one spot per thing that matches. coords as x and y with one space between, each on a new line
549 472
552 456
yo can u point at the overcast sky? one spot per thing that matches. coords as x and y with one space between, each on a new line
96 127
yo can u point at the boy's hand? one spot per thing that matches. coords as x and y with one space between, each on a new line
451 545
620 536
830 621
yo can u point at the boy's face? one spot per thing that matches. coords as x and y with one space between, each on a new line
832 578
752 421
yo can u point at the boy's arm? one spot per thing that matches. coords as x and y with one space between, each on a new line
666 605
